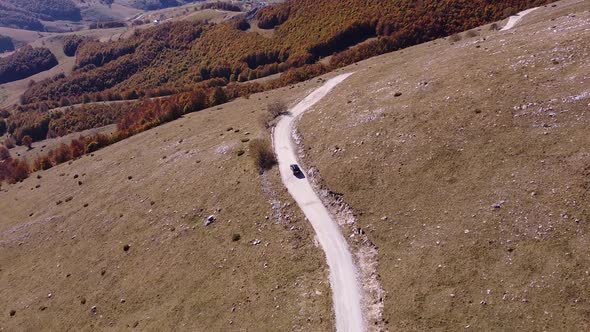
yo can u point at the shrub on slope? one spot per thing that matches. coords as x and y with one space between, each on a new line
6 44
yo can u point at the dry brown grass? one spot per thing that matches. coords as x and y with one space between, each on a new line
481 168
153 192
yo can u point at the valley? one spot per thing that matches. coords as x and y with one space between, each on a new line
443 153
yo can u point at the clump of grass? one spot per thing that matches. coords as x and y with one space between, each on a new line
273 111
262 154
455 38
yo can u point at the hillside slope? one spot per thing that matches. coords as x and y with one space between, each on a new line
63 232
467 165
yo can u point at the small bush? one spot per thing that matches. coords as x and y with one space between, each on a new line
14 170
494 27
277 108
27 141
2 127
262 154
92 146
42 163
61 154
471 34
4 153
455 38
10 142
236 237
77 147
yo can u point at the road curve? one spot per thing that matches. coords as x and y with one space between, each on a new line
346 294
514 19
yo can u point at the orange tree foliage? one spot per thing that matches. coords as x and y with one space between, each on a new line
72 42
40 125
178 55
26 62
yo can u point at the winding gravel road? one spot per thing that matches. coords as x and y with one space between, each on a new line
514 19
346 293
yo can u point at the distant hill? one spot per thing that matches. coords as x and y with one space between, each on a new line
155 4
49 9
29 14
14 17
180 55
25 62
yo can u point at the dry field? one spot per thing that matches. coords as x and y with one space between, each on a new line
63 232
467 164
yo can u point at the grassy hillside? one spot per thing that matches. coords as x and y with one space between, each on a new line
254 268
466 164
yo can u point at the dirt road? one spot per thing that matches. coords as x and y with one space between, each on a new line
346 294
513 20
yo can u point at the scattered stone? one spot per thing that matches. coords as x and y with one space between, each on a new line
83 301
49 295
397 94
79 183
240 152
129 177
245 140
126 247
256 242
122 301
384 218
211 219
75 176
58 202
93 309
135 324
85 205
498 205
42 308
103 272
69 199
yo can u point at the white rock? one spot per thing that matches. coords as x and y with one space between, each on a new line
211 219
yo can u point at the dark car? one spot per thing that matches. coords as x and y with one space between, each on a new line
296 170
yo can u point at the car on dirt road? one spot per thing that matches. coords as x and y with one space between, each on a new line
296 170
